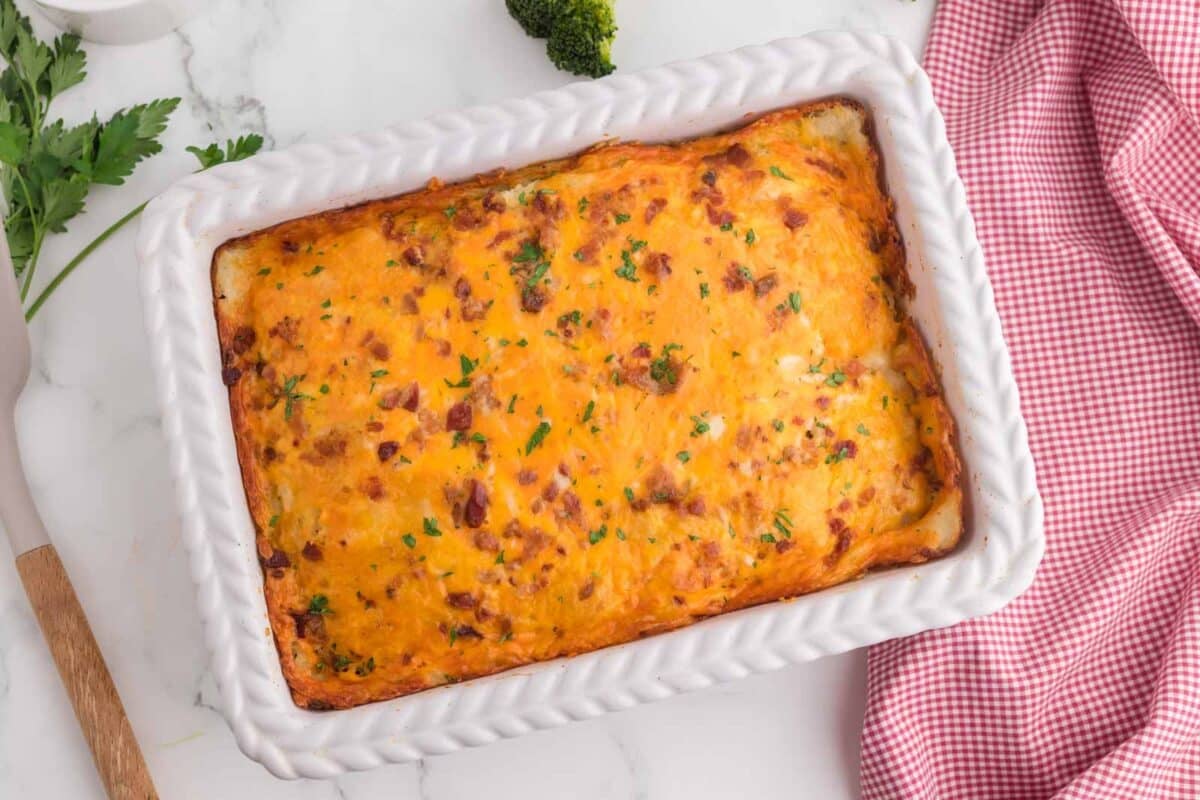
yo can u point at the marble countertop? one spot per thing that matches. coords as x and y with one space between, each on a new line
298 70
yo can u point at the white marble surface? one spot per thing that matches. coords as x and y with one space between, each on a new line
90 432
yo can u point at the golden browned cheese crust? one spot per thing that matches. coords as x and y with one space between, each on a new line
550 410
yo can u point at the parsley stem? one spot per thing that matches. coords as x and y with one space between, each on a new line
74 262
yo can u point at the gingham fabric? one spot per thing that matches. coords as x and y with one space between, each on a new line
1075 125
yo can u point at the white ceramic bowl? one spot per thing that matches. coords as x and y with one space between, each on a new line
120 21
954 308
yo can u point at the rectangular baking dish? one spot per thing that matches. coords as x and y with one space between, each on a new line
953 307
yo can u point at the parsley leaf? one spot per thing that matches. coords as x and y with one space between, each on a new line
537 437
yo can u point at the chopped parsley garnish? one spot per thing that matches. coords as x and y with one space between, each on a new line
529 252
620 534
836 378
341 662
326 303
574 317
583 204
661 368
629 494
885 402
579 255
783 523
316 270
745 272
319 604
500 558
703 290
512 402
702 427
538 273
478 438
778 173
430 526
324 388
450 211
777 424
365 668
726 226
767 537
794 302
409 540
538 436
391 262
621 219
862 429
273 521
326 316
684 456
265 271
291 395
466 366
454 629
841 455
750 237
378 373
815 368
595 536
522 342
636 244
587 412
628 269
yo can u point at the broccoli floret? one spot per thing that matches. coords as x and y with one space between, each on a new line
535 16
581 37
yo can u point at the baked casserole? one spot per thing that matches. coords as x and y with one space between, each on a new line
550 410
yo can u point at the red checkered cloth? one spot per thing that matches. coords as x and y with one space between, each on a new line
1075 124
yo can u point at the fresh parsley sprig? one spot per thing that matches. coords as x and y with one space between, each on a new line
48 168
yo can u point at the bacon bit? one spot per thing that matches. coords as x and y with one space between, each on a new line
387 449
526 477
641 351
587 589
822 403
462 289
269 454
842 535
854 369
738 156
533 542
709 178
473 310
331 445
467 218
475 511
460 600
458 418
783 545
719 217
733 279
230 375
243 339
658 264
408 304
286 329
486 541
374 426
764 285
482 614
876 240
467 632
390 399
826 166
845 505
372 487
744 438
442 347
289 246
836 525
551 209
533 299
277 560
847 445
696 507
794 219
407 398
572 504
656 205
494 202
550 491
414 256
500 238
308 623
660 484
312 552
379 350
866 496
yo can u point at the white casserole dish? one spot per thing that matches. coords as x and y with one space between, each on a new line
954 309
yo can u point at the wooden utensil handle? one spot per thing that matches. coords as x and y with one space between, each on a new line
84 673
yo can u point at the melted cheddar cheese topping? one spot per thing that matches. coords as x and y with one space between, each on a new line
550 410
